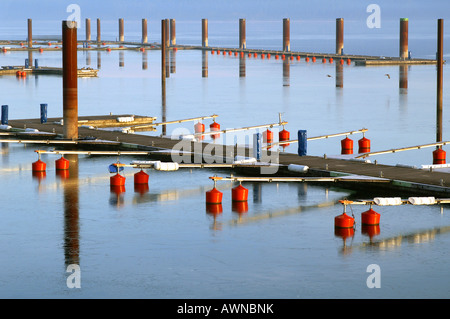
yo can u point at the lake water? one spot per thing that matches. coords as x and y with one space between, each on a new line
164 242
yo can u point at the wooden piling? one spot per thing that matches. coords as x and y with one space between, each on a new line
440 62
121 30
70 79
144 31
99 38
173 40
242 40
30 33
340 36
204 32
286 35
88 29
404 38
163 52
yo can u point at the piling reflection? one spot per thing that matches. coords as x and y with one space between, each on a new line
403 79
71 213
339 75
144 60
88 57
242 67
204 64
286 73
116 198
99 60
121 59
173 61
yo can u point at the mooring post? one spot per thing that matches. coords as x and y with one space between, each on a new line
204 32
173 40
144 31
70 79
340 36
404 38
242 40
163 51
99 38
167 26
88 29
4 114
286 35
440 63
30 33
121 30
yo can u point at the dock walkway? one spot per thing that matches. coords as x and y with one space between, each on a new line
393 178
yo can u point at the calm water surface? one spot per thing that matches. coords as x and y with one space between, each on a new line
164 242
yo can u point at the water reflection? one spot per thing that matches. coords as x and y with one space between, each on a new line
286 72
242 65
88 57
339 75
403 79
71 212
144 60
173 61
204 64
99 60
121 59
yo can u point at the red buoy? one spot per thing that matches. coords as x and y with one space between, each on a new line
439 156
39 166
283 57
346 146
298 58
199 127
62 164
267 136
41 50
364 145
291 58
284 136
255 54
276 56
370 217
324 60
18 73
262 56
331 60
307 59
212 51
235 53
314 59
214 196
141 177
344 221
239 193
268 55
249 55
214 127
341 61
117 180
349 61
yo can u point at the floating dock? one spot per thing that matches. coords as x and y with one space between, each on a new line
12 70
343 172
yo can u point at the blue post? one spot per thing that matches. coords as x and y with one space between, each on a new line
257 141
43 113
27 63
302 142
4 114
36 63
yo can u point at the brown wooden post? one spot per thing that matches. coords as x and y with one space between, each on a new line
339 36
286 34
70 79
163 51
440 63
99 38
121 30
88 29
144 31
404 38
204 32
173 40
30 33
242 40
